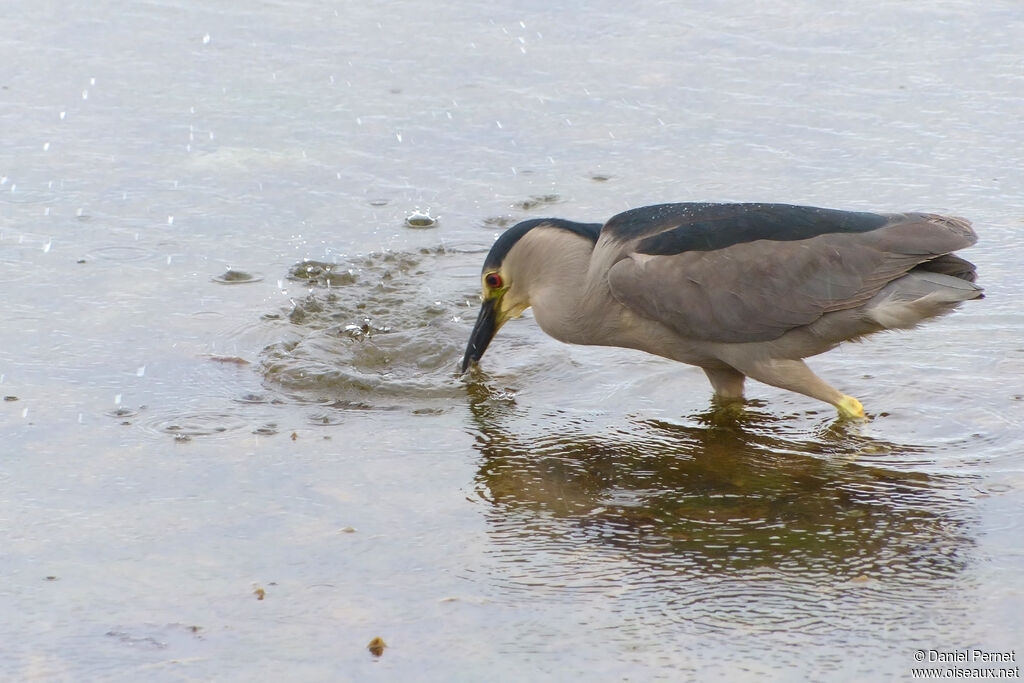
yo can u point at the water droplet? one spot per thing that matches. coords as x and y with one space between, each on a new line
141 371
92 81
399 136
206 39
46 211
63 115
80 419
46 247
499 124
46 146
170 220
24 413
85 94
117 399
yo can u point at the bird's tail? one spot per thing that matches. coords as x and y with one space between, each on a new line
922 294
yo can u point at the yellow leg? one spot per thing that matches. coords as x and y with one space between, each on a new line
849 407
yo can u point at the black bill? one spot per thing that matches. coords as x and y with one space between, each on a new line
483 333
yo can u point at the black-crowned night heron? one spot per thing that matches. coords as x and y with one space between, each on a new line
739 290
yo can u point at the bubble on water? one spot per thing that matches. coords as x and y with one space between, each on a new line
420 219
235 277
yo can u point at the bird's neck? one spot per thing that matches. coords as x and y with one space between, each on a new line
567 303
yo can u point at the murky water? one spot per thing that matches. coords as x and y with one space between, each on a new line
235 443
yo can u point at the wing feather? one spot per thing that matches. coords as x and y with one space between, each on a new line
758 290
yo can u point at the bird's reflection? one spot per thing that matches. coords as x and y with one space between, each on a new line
717 491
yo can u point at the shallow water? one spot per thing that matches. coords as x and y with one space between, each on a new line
229 362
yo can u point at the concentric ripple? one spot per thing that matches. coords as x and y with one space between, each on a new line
377 333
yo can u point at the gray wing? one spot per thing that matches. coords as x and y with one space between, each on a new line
758 290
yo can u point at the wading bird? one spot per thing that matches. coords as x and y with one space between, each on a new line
739 290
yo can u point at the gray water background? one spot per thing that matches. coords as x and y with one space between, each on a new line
173 444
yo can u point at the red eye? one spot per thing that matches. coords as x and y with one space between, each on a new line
493 280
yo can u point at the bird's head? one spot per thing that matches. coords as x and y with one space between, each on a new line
512 267
502 298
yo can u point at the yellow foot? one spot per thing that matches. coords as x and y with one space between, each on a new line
849 407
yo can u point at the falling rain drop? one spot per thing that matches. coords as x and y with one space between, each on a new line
141 371
63 115
92 81
206 39
24 413
117 399
46 247
46 146
85 94
399 136
170 220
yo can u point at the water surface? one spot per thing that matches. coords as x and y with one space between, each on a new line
229 356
